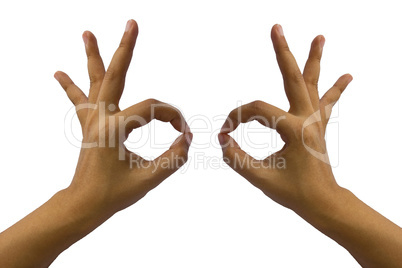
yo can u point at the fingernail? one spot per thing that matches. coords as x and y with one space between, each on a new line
225 127
85 38
229 125
56 76
280 30
187 129
223 138
128 25
350 78
189 137
322 42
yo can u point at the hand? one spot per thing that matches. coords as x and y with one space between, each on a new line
108 174
299 174
108 177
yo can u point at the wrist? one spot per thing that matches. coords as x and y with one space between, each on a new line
325 209
85 209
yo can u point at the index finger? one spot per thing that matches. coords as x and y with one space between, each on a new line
266 114
144 112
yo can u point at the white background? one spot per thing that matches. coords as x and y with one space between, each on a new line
205 57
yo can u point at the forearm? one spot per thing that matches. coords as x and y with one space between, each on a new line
37 239
372 239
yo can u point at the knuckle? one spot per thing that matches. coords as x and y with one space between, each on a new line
123 45
95 78
126 48
317 58
234 115
255 110
310 134
176 112
80 99
285 48
110 74
228 155
93 51
175 116
257 105
296 76
152 101
69 87
182 154
312 81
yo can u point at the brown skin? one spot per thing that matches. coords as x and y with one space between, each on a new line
306 185
102 184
